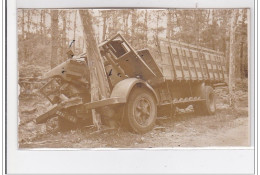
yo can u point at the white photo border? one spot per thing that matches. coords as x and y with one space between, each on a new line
224 160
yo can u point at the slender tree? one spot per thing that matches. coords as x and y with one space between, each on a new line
169 24
28 21
23 37
146 28
22 24
232 54
75 28
43 26
126 14
54 37
64 33
133 27
104 16
243 44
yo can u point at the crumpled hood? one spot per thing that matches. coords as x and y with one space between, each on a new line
59 70
72 69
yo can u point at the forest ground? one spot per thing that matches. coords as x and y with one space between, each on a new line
228 127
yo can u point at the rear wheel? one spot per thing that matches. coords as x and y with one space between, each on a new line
141 110
207 107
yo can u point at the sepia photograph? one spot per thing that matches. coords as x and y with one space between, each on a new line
133 78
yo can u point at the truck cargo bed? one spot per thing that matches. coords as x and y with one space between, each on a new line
181 61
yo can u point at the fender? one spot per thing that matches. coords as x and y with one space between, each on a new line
123 88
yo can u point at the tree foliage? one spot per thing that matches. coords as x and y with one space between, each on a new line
205 27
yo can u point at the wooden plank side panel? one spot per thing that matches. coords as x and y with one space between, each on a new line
193 73
177 63
178 51
166 58
167 71
190 63
186 73
203 65
197 64
219 67
209 66
185 64
179 73
155 53
186 58
164 46
216 74
167 61
215 68
172 61
223 64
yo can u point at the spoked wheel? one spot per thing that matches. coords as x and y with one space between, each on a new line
141 110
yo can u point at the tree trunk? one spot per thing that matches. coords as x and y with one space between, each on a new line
114 22
27 36
41 26
23 34
126 16
54 37
28 21
44 26
157 24
104 25
169 25
98 79
244 45
74 30
196 27
241 59
146 28
23 24
133 21
64 29
232 55
36 24
208 15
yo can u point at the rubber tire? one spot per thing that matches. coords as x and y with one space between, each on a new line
207 107
132 123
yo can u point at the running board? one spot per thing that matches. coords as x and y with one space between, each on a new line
184 100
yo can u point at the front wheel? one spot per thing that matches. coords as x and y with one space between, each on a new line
141 110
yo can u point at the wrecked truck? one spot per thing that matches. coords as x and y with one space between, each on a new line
144 83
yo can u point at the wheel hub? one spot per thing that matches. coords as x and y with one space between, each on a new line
142 111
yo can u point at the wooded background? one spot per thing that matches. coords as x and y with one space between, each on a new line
44 34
